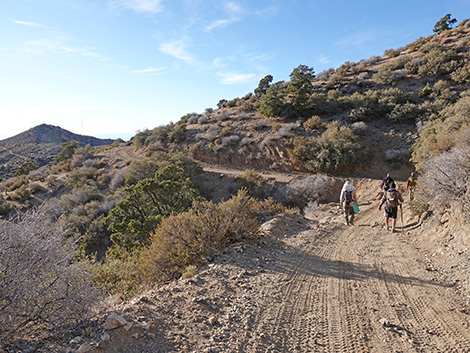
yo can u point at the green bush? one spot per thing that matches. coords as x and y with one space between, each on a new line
194 237
25 168
145 205
337 150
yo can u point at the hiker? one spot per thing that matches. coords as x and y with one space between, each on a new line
411 185
392 199
347 198
387 183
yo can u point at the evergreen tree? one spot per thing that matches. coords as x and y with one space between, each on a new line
444 24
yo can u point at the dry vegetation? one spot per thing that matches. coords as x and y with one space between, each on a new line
92 221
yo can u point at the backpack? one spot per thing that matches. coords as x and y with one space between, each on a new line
392 198
347 197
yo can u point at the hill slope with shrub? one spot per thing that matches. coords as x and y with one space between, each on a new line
145 213
38 146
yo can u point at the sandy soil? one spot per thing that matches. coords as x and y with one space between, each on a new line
309 285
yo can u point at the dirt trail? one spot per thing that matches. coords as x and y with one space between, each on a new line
311 285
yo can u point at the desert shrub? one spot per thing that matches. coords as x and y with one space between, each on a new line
21 194
285 130
371 61
42 286
259 124
81 177
146 168
195 236
193 119
440 134
226 131
408 112
426 91
418 205
313 123
253 182
390 76
392 53
26 168
447 177
230 140
414 65
35 187
118 179
14 183
338 149
439 61
462 74
117 275
145 205
39 174
67 151
81 155
189 272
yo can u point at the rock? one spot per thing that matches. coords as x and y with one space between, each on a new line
85 347
151 336
76 340
114 321
128 326
135 335
212 320
105 337
385 322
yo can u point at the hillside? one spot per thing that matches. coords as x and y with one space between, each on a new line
308 285
38 145
222 233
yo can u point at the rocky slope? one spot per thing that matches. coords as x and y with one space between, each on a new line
38 145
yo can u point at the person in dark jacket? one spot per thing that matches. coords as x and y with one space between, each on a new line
392 199
387 182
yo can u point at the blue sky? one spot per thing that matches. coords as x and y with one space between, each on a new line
110 68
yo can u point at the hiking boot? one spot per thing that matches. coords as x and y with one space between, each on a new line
393 229
388 228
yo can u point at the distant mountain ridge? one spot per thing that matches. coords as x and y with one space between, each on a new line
52 134
39 145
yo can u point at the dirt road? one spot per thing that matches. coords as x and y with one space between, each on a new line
311 285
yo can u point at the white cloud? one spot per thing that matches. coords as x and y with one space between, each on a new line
234 12
143 6
231 78
57 46
149 70
29 24
220 24
177 49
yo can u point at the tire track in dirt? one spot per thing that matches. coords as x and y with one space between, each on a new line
340 281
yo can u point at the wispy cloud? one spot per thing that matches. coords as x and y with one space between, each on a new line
234 12
231 78
29 24
221 24
58 46
149 70
143 6
178 50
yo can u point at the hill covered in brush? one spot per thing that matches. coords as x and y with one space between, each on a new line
39 146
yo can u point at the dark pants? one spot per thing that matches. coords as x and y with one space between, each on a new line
349 213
